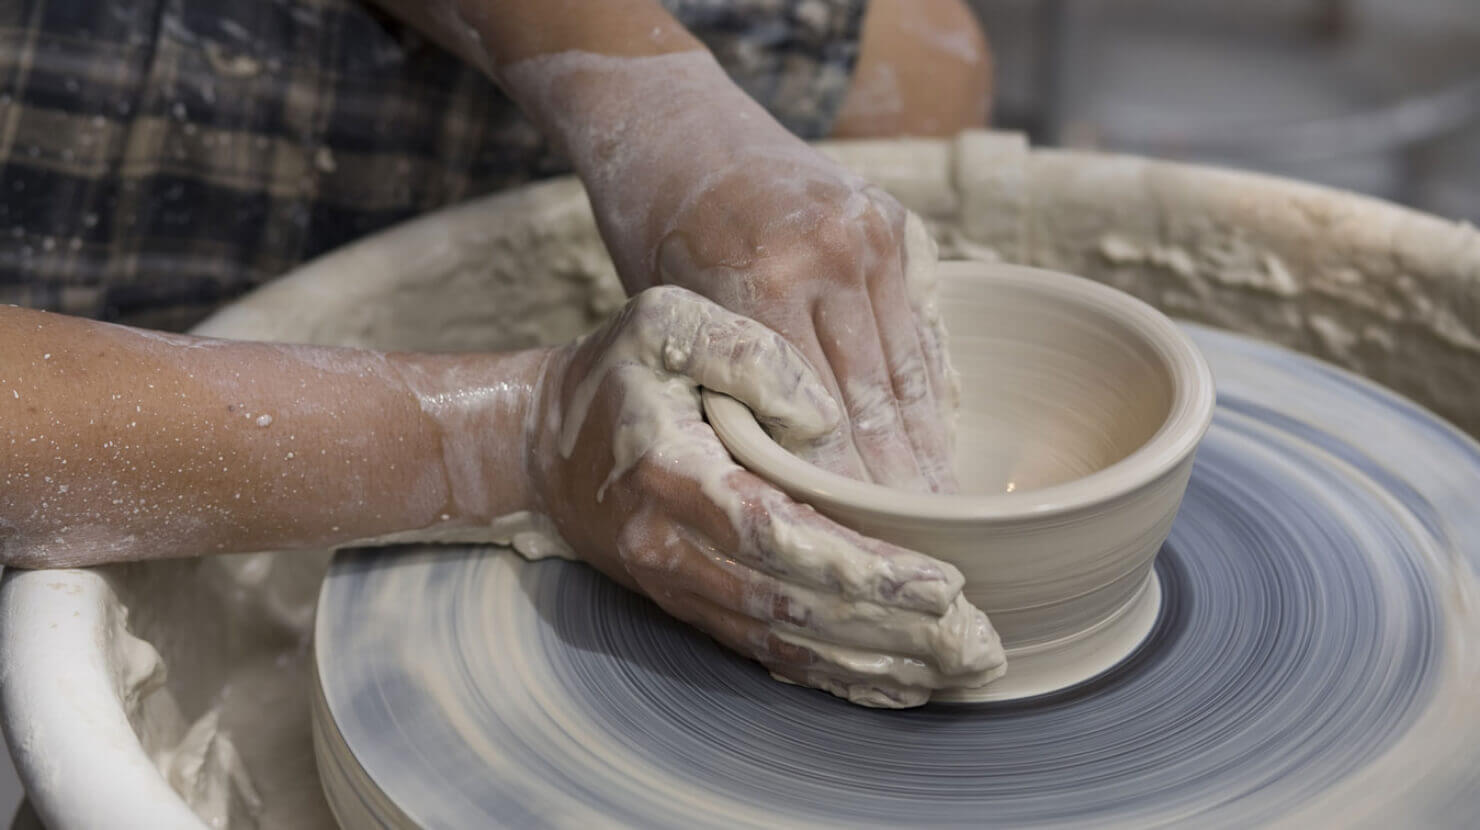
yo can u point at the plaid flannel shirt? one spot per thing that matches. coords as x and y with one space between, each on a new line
161 157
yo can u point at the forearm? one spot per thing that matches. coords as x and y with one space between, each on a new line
124 444
644 112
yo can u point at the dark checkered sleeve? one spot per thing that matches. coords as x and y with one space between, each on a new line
161 157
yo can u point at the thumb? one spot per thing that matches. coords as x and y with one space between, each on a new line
725 352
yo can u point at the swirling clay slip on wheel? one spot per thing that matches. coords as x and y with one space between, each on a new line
1311 661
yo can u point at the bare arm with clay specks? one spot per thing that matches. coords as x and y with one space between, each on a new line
123 444
694 184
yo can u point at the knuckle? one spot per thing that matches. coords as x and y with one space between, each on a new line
771 283
652 309
837 238
885 218
644 545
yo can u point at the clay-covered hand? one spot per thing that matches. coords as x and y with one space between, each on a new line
639 486
798 243
694 184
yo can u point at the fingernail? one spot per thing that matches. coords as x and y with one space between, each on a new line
981 647
822 418
929 596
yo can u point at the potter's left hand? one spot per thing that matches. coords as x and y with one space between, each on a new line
638 485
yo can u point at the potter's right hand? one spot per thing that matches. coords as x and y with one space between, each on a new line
641 488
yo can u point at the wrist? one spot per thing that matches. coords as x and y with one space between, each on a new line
480 405
649 137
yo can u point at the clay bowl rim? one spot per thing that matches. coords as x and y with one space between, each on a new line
1190 415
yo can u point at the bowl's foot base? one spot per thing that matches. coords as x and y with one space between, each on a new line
1050 667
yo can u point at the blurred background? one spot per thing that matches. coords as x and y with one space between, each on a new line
1377 96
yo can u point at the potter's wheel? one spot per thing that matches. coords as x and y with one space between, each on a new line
1312 661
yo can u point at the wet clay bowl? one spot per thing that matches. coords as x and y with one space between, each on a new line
1081 410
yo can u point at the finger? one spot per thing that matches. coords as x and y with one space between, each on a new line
834 451
850 340
800 544
804 665
740 633
723 351
768 531
863 694
913 381
919 261
958 642
885 669
946 383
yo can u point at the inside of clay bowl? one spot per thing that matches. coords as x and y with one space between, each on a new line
1049 394
1081 409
